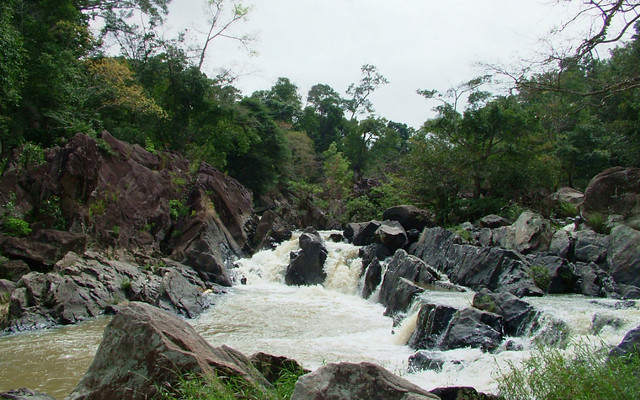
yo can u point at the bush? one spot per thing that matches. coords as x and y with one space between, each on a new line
13 226
550 374
541 277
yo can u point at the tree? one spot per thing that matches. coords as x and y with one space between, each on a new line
360 103
282 100
323 118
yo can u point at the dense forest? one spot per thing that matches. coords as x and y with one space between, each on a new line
483 152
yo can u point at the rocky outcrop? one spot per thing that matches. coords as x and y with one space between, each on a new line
531 232
473 328
364 381
81 287
613 196
462 393
630 345
307 264
25 394
410 217
431 324
405 278
493 268
144 346
517 315
392 235
552 273
372 278
624 255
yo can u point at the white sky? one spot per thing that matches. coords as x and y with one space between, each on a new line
416 44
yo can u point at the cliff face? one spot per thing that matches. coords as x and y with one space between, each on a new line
122 199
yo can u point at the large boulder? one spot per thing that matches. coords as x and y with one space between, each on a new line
552 273
493 221
372 278
591 246
531 232
410 217
476 267
594 281
405 278
473 328
630 345
517 315
568 195
307 264
366 233
624 255
364 381
432 323
613 194
144 346
392 235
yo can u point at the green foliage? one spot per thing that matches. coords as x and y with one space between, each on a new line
13 226
564 209
195 387
541 277
97 208
125 284
31 155
551 374
51 211
339 178
598 223
177 209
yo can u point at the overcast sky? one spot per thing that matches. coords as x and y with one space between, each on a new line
416 44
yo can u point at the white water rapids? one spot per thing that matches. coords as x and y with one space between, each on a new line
312 324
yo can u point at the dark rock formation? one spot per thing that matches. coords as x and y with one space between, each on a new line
493 221
531 232
392 235
590 246
410 217
594 281
562 244
307 264
493 268
517 315
556 272
624 255
432 323
144 346
25 394
372 278
425 360
365 234
473 328
364 381
273 367
613 194
630 344
462 393
405 278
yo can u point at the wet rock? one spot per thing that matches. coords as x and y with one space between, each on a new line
531 232
562 244
594 281
274 367
425 360
624 255
473 328
144 346
392 235
591 247
568 195
629 291
364 381
462 393
25 394
39 256
373 251
372 278
431 324
556 272
612 194
630 344
485 237
410 217
493 221
476 267
600 321
307 264
336 237
517 315
403 280
366 235
353 229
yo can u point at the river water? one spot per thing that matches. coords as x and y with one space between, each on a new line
314 325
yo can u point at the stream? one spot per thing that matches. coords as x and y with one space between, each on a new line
312 324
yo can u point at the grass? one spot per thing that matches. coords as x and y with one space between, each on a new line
197 387
550 374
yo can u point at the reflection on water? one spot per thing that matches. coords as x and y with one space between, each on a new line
50 361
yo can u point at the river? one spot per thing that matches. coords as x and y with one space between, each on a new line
314 325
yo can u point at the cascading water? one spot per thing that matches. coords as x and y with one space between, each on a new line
314 325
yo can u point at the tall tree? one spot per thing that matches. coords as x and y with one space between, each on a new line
360 102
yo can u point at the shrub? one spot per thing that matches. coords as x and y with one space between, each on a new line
13 226
565 209
551 374
177 209
31 155
541 277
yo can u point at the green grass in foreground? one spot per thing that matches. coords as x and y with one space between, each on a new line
192 387
551 374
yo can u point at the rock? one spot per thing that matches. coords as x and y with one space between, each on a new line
493 221
144 346
629 291
562 244
555 271
372 278
462 393
180 296
568 195
485 237
473 328
425 360
591 247
14 269
630 344
392 235
373 251
531 232
624 255
410 217
364 381
307 264
431 324
517 315
403 280
25 394
600 321
352 230
274 367
594 281
613 193
39 256
476 267
336 237
366 235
